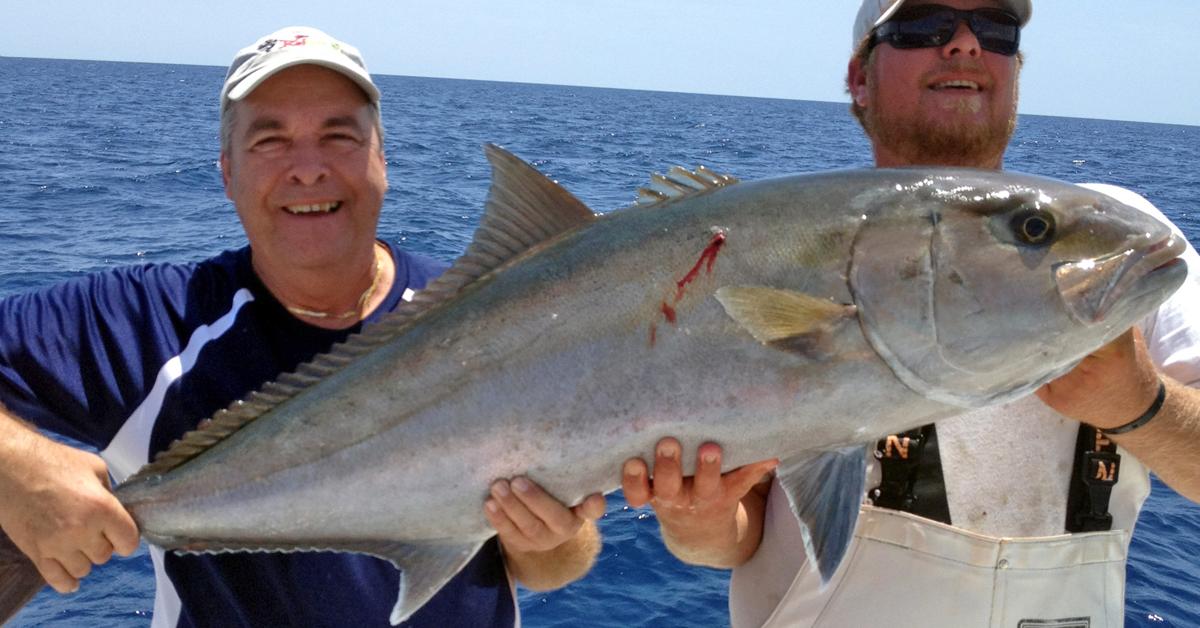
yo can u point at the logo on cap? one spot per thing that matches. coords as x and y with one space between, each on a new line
299 40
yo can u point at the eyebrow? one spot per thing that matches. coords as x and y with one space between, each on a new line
272 124
263 124
342 121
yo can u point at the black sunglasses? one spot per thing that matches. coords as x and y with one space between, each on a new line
930 25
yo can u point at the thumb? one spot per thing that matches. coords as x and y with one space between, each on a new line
591 508
739 481
99 469
121 530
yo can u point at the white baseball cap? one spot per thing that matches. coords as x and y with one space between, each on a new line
294 45
872 13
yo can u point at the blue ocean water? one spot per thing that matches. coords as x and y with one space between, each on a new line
105 164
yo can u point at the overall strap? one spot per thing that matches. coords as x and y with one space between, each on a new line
911 478
911 475
1096 471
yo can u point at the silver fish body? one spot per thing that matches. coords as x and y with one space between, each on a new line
799 318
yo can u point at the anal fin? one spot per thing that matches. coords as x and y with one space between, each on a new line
825 491
425 569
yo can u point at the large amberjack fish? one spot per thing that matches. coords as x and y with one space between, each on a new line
800 318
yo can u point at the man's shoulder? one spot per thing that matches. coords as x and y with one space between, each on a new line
186 286
417 270
136 292
155 276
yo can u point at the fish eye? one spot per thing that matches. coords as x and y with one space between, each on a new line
1033 226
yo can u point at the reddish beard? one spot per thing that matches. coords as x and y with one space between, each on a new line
936 138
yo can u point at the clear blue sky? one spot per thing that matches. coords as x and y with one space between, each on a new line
1086 58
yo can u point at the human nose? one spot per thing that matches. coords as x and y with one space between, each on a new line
308 165
963 42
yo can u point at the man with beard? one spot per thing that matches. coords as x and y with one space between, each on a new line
1012 515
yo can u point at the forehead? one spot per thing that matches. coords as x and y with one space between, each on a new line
305 88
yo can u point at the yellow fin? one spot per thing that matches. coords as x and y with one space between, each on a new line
772 315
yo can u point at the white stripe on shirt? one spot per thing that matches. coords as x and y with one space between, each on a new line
130 448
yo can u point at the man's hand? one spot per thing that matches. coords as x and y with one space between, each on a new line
59 511
546 543
1115 385
709 519
1109 388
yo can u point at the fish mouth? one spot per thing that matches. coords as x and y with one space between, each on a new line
1092 287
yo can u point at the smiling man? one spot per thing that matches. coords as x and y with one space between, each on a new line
129 360
1011 516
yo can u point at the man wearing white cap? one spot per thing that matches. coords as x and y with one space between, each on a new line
1014 516
131 359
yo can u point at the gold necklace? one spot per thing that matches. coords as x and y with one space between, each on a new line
362 300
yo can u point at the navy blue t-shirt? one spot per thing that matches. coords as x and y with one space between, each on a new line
130 359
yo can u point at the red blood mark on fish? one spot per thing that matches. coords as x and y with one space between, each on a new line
708 257
668 313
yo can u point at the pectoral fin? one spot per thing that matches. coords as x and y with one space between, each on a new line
784 319
825 491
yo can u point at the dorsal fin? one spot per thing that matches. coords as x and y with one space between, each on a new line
680 183
524 208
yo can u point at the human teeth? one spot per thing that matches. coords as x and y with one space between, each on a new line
967 84
309 209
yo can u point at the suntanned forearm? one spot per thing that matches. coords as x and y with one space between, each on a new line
1167 444
19 447
57 507
721 546
543 571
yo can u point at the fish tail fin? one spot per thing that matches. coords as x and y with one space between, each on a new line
19 579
